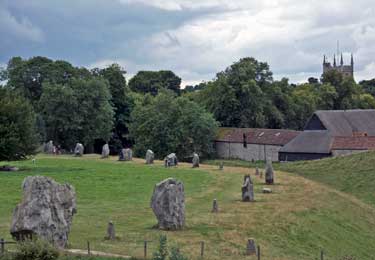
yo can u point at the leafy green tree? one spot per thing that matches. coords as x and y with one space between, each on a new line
166 124
18 137
153 81
77 112
368 86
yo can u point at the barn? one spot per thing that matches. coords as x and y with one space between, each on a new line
332 133
252 144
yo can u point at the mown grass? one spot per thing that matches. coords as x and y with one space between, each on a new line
294 222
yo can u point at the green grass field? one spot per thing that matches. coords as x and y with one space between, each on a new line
301 217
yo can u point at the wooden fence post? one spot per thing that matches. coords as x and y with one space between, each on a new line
145 249
2 246
202 249
321 255
258 253
88 248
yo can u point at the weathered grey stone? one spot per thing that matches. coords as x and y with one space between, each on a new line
247 189
195 160
128 154
221 166
170 160
8 168
215 206
49 147
250 247
105 151
168 204
78 150
269 173
256 171
267 190
150 157
47 210
111 234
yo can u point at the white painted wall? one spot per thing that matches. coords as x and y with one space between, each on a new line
255 152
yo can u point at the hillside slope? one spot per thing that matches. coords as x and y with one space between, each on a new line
295 222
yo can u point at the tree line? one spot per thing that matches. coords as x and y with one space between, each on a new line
44 100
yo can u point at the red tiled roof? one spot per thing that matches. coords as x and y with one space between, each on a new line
354 143
256 135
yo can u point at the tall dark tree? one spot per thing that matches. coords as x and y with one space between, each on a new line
153 81
18 137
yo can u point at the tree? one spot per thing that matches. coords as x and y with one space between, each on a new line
18 137
368 86
166 124
153 81
77 112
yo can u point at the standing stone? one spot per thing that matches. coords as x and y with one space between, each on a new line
47 210
247 189
168 204
111 234
221 166
49 147
128 154
250 247
215 206
257 171
78 150
195 160
149 157
105 151
269 173
170 160
121 155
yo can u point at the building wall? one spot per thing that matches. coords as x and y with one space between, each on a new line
291 157
346 152
255 152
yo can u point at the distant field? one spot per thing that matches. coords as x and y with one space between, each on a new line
295 222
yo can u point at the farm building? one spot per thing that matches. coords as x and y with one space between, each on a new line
332 133
252 143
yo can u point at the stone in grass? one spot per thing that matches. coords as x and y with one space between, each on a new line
150 157
105 151
250 247
168 204
78 150
215 206
269 175
195 160
126 155
247 189
267 190
8 168
221 166
49 147
256 171
170 160
46 210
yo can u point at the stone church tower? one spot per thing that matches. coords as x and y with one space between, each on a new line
346 70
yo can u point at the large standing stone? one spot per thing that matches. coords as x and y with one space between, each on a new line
149 157
269 173
78 150
105 151
195 160
128 154
47 210
247 189
49 147
170 160
168 204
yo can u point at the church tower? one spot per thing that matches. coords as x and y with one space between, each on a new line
346 70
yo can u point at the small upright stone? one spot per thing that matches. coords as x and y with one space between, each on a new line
250 247
195 160
127 154
121 155
257 171
78 150
267 190
221 166
247 189
269 173
105 151
111 234
168 204
170 160
149 157
49 147
215 206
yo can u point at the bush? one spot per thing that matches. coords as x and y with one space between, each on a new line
162 253
36 250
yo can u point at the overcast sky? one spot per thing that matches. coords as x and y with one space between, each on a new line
194 38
